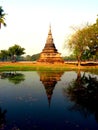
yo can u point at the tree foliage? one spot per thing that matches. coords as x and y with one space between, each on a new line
16 50
2 17
84 42
35 57
3 55
93 41
78 42
13 53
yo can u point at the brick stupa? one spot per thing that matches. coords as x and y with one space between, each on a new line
50 54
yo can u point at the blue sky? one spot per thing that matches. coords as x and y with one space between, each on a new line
28 21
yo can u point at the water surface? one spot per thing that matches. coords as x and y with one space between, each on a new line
48 100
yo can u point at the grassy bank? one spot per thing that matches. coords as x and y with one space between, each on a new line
30 66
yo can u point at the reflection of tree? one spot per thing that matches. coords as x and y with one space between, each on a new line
13 77
84 93
2 119
49 80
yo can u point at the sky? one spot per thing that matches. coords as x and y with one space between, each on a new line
28 22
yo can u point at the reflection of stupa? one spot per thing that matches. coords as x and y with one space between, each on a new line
49 80
49 54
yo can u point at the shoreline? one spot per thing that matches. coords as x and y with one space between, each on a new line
29 65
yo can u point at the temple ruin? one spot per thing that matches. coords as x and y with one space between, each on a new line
50 54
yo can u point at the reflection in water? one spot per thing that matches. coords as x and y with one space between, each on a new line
83 91
2 119
26 102
14 77
49 80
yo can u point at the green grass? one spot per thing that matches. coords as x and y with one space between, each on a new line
18 68
36 67
33 68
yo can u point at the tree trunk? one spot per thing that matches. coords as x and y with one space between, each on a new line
79 60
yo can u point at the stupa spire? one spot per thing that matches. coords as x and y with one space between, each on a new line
50 29
49 38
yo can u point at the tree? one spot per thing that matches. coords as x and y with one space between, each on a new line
15 51
3 55
78 42
35 56
28 58
93 40
84 42
70 58
2 17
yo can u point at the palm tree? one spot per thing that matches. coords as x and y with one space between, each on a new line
2 17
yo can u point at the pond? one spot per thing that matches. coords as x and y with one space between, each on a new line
61 100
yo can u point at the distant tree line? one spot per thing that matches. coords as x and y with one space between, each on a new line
31 57
15 53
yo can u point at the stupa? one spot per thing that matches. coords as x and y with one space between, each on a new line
50 54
